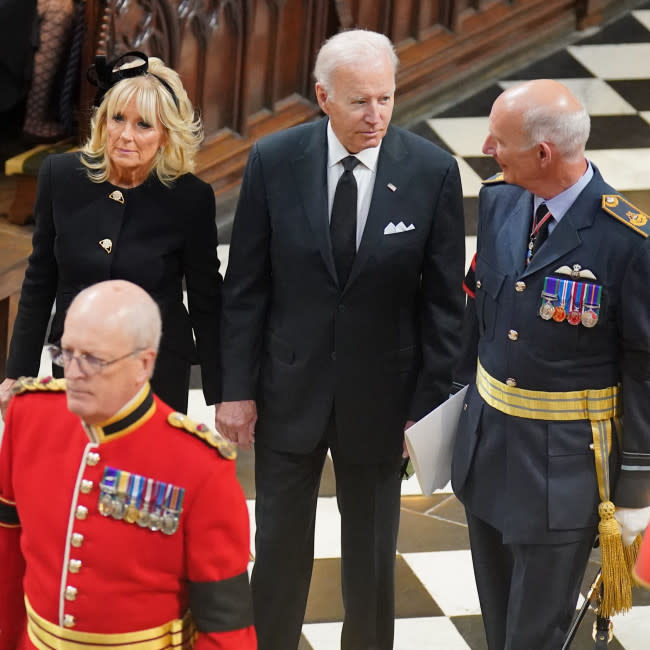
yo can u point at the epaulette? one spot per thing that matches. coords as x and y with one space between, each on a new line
620 208
203 431
497 178
37 384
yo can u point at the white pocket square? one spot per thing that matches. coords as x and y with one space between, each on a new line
392 229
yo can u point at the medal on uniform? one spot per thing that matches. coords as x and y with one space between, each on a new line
533 233
559 313
135 492
591 305
155 516
173 510
143 516
107 487
549 296
574 315
119 500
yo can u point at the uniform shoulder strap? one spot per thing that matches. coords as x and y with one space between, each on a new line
621 209
497 178
38 384
203 431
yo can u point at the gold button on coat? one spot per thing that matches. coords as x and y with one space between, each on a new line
81 513
520 286
77 540
74 566
70 592
511 382
478 284
69 620
86 486
513 335
93 458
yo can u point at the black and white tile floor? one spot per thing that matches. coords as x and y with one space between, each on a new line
437 604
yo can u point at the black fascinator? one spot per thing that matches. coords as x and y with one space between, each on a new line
104 74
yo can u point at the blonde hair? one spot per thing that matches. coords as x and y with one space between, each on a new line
182 127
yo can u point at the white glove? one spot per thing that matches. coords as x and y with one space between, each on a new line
632 522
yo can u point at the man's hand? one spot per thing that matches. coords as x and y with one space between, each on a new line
236 421
405 451
5 395
632 522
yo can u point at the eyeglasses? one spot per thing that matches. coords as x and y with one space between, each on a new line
88 363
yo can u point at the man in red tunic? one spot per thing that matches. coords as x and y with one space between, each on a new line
121 523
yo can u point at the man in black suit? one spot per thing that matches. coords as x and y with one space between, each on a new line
340 325
558 339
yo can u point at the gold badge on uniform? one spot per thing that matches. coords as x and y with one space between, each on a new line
106 244
116 195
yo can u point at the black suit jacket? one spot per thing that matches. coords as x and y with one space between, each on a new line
535 480
379 349
159 236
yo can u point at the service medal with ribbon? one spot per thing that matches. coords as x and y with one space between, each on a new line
549 296
119 499
155 516
107 490
135 492
575 304
172 511
591 305
143 517
560 309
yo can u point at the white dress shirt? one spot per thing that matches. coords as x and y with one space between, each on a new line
364 173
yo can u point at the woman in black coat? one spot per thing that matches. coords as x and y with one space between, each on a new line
127 206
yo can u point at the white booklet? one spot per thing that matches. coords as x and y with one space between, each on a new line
430 443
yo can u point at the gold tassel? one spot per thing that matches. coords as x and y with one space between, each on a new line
631 553
617 586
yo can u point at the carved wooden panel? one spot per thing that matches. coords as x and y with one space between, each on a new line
147 25
222 33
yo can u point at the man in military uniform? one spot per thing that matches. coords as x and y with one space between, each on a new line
121 523
557 338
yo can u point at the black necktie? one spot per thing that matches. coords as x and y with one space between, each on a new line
538 230
343 222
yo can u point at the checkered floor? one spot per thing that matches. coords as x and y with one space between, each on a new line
437 604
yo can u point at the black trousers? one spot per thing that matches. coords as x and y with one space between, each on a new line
368 498
528 592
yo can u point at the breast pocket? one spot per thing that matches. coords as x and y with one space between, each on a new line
488 286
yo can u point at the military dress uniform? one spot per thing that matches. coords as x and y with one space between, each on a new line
132 533
553 350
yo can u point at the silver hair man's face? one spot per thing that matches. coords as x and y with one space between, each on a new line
359 103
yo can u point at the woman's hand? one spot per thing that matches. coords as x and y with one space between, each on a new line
5 395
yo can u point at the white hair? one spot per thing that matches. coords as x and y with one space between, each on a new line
144 326
354 46
567 130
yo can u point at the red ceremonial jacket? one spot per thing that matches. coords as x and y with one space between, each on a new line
90 574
